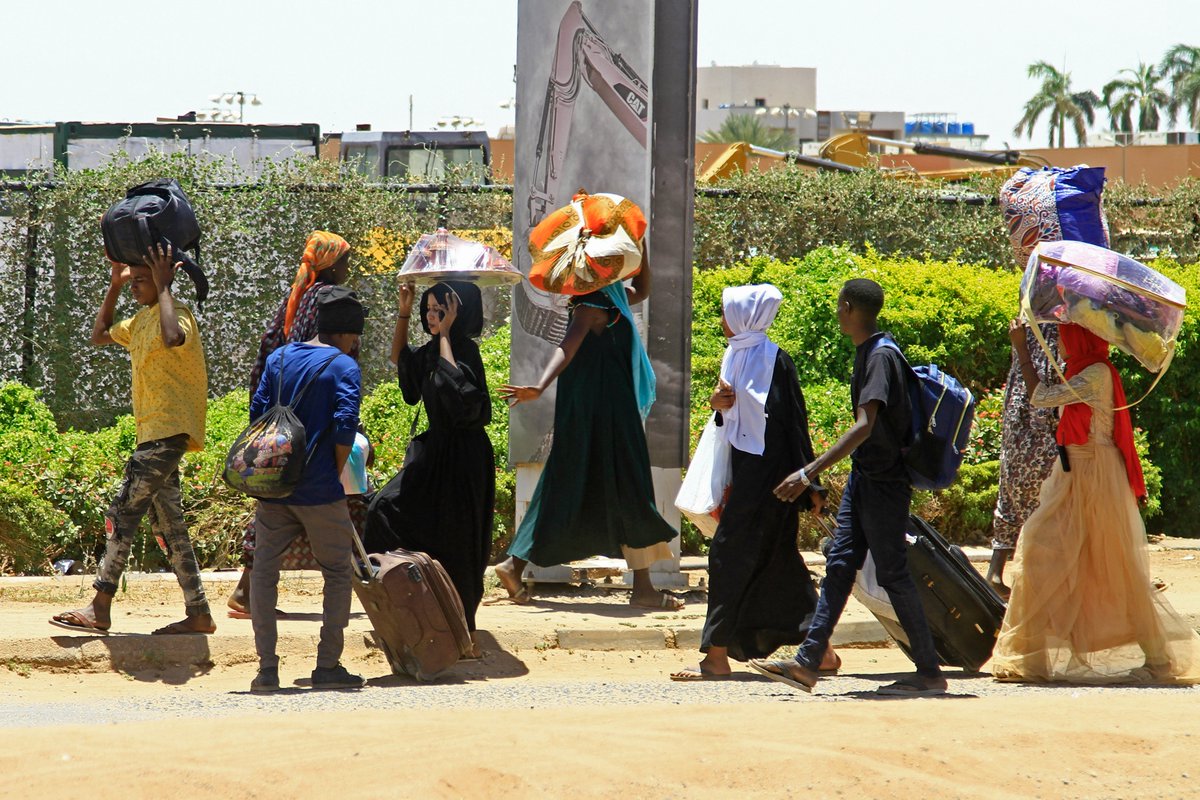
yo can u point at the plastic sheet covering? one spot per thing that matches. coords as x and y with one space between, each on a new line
442 256
1121 300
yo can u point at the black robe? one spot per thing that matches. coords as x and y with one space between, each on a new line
441 502
761 595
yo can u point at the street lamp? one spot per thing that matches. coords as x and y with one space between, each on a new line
457 122
787 111
229 98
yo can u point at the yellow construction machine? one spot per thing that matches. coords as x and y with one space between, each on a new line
853 151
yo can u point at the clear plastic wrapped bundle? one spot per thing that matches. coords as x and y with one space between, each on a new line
1117 298
442 256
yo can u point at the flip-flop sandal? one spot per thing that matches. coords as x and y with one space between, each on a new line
688 674
668 602
233 613
521 598
908 687
782 677
179 629
83 623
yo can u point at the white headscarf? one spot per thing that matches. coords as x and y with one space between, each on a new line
749 363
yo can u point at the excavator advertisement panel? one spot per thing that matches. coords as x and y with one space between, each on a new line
589 118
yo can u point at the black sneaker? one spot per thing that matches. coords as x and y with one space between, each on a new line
335 678
267 680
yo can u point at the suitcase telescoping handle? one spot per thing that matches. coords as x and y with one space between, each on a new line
366 559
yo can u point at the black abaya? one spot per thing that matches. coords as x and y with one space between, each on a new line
761 595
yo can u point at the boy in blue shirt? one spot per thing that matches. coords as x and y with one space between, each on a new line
329 412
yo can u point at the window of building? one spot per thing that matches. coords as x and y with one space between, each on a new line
760 102
704 104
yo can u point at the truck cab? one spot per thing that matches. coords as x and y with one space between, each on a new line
420 156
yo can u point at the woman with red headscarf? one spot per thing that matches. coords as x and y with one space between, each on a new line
1083 608
325 262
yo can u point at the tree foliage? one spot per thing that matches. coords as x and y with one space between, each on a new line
1063 106
1136 91
749 128
1181 66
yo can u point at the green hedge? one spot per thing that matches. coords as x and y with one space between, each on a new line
52 270
952 313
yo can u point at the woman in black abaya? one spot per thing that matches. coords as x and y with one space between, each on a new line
441 502
761 595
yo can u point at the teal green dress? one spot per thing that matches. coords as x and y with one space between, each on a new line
595 492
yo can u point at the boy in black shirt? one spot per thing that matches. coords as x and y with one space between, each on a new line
873 515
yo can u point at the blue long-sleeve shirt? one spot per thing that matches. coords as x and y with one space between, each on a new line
328 410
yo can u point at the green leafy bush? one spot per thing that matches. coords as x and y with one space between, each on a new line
29 528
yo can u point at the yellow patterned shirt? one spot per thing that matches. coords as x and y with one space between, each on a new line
170 384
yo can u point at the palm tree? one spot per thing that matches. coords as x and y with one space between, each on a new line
1066 107
1181 66
748 128
1139 91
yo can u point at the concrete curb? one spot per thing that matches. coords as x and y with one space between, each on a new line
136 652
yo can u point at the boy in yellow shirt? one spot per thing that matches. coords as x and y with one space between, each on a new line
170 386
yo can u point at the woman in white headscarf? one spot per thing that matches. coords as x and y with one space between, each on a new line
760 593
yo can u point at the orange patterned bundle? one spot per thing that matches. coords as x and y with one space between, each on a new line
593 242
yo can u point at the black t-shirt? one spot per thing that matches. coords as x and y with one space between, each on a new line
881 374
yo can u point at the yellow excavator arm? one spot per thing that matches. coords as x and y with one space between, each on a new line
850 152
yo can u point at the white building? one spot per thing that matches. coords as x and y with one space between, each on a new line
782 97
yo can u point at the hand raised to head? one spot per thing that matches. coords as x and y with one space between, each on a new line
1016 334
404 297
451 312
162 264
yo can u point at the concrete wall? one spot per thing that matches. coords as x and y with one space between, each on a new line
1155 165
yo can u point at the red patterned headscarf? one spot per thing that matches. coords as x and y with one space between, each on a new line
1082 349
321 251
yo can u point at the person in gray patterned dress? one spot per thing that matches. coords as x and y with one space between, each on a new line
1027 452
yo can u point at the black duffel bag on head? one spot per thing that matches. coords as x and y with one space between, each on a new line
155 212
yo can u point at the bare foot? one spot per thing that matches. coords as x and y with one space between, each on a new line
202 623
662 601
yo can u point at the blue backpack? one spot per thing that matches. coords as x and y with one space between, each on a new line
943 411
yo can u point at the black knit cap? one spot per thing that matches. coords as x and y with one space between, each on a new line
339 311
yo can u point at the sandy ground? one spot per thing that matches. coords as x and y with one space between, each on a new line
555 723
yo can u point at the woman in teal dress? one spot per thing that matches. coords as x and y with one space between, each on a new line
595 495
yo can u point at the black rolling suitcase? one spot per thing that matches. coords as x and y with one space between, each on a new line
963 611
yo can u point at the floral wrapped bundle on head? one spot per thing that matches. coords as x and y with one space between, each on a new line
1121 300
594 242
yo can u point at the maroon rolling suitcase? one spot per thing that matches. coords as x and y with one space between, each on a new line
415 609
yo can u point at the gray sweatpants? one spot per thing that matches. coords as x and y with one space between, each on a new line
329 532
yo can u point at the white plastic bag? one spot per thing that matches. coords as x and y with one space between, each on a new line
702 494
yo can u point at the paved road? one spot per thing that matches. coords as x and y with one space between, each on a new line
396 693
